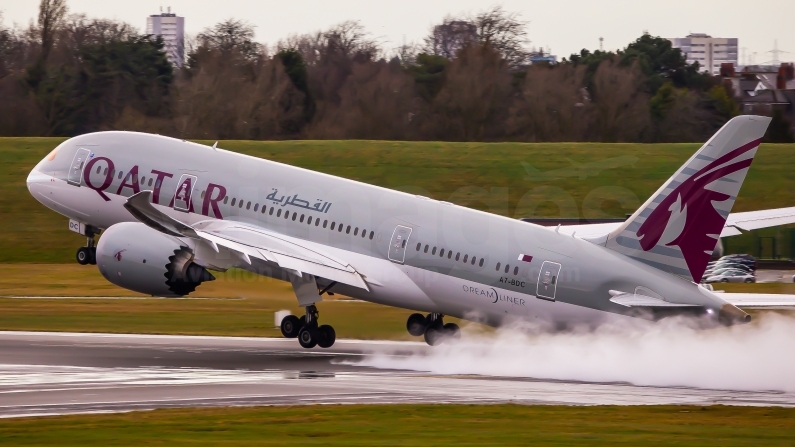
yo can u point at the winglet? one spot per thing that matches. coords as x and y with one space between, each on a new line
677 229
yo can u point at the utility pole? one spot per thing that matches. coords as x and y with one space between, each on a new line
601 42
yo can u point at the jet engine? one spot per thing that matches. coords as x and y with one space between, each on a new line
139 258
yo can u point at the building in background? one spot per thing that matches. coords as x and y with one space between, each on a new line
710 52
171 28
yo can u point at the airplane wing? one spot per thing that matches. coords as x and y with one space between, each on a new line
248 241
736 223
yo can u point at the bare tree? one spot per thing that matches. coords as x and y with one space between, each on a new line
231 36
51 14
551 105
621 111
471 106
501 30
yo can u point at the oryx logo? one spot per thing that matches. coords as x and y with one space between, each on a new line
687 218
117 255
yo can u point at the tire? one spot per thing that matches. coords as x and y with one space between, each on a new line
416 324
749 280
290 326
724 280
93 252
434 336
452 331
307 337
327 336
83 256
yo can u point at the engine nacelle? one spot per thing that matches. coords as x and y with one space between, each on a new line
139 258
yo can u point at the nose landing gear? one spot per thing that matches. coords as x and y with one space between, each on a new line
432 328
307 331
88 254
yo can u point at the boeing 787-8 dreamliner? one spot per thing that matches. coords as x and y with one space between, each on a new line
171 211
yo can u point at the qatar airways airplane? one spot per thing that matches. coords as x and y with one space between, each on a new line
170 211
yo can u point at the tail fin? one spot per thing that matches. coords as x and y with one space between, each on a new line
677 229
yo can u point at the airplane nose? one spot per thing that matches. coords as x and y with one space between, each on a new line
36 177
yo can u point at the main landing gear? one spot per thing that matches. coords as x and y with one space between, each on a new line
307 331
88 254
433 328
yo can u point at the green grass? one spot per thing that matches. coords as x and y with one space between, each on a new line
416 425
487 176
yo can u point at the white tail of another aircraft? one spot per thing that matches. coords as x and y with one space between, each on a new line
677 229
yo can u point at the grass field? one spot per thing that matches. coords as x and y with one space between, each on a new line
486 176
416 425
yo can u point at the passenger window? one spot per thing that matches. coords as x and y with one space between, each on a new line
419 245
515 270
202 194
426 249
225 198
248 205
112 173
286 214
449 254
465 258
339 228
256 205
270 213
120 174
441 253
364 233
105 172
98 169
324 223
481 262
309 220
356 231
457 255
278 213
302 218
332 226
507 267
498 267
433 252
473 260
371 235
317 222
348 230
241 204
294 216
233 202
143 180
159 183
135 178
150 181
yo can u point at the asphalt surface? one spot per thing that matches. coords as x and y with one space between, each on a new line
64 373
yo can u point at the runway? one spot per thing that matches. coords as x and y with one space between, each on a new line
65 373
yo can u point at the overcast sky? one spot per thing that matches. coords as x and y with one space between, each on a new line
565 26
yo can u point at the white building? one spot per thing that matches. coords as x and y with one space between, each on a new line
708 51
172 29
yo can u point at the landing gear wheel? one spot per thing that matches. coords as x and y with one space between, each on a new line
452 331
327 336
83 255
416 324
307 337
434 336
290 326
93 251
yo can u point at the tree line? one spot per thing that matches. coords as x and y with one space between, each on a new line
469 80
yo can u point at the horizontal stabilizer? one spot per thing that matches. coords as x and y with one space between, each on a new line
758 299
635 300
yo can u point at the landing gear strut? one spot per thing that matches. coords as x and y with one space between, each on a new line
307 331
433 328
88 254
